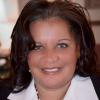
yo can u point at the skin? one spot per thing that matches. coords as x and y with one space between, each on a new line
53 61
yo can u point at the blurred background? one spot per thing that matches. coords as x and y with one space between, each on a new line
9 12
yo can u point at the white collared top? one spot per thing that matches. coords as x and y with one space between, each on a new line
80 89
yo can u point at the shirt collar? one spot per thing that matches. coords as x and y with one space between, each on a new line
81 88
27 94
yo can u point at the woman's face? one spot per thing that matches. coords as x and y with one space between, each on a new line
53 61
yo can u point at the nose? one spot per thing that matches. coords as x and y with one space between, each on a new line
51 57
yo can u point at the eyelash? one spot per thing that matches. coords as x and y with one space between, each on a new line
62 45
38 47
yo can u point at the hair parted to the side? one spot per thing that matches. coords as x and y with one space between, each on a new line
22 40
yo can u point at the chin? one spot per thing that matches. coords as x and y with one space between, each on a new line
54 84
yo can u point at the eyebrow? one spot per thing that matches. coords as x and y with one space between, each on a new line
64 40
58 41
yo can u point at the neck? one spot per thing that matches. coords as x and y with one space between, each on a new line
55 94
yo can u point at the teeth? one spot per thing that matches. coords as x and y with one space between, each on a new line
51 69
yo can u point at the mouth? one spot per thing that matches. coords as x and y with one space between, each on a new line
52 70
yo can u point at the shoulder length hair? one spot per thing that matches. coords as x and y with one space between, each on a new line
22 40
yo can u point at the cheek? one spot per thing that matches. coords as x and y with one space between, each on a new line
33 60
69 58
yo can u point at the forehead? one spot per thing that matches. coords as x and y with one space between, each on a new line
49 26
52 29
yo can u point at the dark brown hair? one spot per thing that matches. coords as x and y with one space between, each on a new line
42 9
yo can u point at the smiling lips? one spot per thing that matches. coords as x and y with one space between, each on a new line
51 70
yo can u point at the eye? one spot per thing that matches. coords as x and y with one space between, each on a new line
38 47
62 45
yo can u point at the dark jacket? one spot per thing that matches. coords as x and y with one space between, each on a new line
96 83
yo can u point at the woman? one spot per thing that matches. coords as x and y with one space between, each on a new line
52 53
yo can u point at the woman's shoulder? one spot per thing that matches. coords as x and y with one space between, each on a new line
27 94
95 80
85 89
96 84
83 82
4 91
